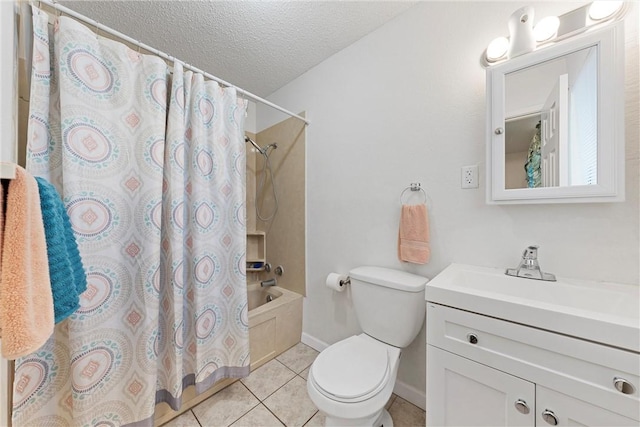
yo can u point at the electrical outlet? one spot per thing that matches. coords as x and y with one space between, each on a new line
469 176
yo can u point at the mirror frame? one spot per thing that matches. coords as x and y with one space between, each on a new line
611 157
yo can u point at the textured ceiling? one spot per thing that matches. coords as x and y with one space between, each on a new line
257 45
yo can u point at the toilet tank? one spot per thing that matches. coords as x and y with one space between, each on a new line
389 303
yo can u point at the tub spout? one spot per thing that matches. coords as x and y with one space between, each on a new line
270 282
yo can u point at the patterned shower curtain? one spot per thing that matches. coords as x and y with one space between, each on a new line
156 200
203 238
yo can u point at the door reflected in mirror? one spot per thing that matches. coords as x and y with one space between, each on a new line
551 122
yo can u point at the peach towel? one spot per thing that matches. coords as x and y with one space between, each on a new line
413 235
26 301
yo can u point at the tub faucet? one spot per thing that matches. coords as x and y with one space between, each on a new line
529 267
269 282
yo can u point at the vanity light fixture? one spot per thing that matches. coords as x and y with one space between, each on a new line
600 10
524 37
546 29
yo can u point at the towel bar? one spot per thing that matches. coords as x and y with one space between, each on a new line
414 186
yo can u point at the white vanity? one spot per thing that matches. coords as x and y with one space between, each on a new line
510 351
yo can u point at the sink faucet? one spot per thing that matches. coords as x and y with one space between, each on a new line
529 267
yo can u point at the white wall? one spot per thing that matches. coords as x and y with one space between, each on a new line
406 103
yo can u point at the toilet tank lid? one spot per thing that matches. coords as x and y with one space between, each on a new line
390 278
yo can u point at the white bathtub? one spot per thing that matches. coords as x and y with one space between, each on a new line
274 326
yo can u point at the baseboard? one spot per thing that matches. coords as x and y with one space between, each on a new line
313 342
411 394
405 391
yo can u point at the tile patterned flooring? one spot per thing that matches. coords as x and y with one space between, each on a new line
275 394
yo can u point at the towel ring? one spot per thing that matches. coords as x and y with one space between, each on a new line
414 186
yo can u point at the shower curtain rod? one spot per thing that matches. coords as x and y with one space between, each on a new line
163 55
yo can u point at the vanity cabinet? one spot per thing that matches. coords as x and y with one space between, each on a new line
485 371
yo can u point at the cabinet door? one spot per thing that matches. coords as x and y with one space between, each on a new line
568 411
461 392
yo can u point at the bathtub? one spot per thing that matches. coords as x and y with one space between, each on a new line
275 325
258 296
275 322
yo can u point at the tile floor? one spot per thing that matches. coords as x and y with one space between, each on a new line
276 395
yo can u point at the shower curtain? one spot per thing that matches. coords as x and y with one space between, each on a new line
151 171
204 237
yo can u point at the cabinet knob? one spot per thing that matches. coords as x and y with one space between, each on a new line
550 417
472 338
623 386
499 131
521 406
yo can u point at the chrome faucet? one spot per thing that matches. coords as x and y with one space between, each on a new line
269 282
529 267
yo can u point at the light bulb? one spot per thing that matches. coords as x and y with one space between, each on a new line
497 49
546 29
603 9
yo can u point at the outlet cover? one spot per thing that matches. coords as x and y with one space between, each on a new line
469 176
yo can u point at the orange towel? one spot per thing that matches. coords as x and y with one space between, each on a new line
413 236
26 302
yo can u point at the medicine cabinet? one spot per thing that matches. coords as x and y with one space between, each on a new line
555 122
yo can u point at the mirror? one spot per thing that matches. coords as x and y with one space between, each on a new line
556 122
551 122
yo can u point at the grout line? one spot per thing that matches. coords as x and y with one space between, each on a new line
269 409
252 393
276 390
270 394
273 413
286 366
194 416
307 422
250 409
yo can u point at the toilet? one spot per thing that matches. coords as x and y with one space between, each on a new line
351 381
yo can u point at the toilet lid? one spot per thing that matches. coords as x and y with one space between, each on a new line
352 368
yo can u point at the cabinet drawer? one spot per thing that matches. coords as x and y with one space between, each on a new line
575 367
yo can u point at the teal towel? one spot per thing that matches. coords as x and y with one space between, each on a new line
68 279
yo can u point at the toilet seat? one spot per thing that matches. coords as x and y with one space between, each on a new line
351 370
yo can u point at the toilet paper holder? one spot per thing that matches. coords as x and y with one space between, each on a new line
337 281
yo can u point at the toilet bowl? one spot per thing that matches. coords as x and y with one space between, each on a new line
352 380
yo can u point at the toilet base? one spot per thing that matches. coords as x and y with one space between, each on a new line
381 419
386 420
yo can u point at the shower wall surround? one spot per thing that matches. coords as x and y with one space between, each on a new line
407 103
286 231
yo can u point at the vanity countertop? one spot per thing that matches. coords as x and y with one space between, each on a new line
603 312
